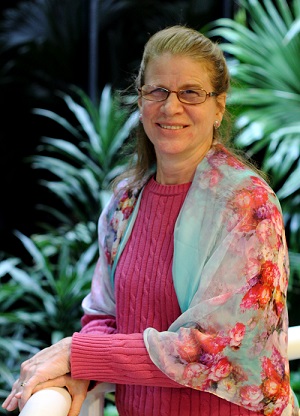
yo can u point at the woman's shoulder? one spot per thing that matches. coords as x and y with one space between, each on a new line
223 177
234 170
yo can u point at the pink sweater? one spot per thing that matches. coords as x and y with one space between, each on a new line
112 349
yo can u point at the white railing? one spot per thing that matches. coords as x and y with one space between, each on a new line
48 402
56 401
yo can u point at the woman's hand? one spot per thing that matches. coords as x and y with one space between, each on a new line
77 389
47 364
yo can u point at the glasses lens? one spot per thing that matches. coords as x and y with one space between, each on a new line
192 96
153 93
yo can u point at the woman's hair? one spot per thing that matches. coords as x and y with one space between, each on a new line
187 42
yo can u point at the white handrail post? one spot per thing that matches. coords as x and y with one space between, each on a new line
294 342
48 402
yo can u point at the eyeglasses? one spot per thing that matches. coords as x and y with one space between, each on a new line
189 96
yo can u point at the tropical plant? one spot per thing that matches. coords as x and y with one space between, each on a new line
85 160
40 303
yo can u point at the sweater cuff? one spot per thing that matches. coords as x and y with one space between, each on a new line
115 358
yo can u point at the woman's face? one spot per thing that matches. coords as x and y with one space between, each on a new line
176 129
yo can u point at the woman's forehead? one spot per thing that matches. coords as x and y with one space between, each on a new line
180 69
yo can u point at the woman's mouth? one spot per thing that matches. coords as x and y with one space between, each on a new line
171 127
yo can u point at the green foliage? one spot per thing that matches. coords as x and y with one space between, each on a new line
40 303
110 410
264 58
295 383
84 163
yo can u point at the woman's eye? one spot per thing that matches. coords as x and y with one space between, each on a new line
190 92
158 91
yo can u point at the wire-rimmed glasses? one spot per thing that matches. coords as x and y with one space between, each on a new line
188 96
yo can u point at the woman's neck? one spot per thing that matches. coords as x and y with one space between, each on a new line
175 171
174 177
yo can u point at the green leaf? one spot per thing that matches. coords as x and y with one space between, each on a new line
58 119
86 123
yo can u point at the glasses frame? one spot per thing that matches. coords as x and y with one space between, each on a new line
208 94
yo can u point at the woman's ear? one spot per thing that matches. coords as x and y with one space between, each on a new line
221 102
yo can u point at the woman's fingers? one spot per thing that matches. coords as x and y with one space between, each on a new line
12 400
77 389
47 364
76 405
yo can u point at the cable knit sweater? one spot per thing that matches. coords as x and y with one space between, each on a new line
112 349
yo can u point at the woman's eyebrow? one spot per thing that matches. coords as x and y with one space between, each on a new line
191 86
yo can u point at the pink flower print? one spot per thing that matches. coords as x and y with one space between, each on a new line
276 219
220 370
257 297
124 197
210 178
243 206
127 212
222 156
116 219
279 408
195 375
260 197
271 389
217 159
261 213
252 397
278 362
279 303
267 235
270 273
188 346
242 200
275 386
227 386
253 265
212 344
127 208
235 163
256 180
232 221
236 335
269 370
107 255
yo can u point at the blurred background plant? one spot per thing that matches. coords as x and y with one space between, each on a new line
40 302
84 160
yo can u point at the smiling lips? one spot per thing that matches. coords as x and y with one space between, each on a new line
168 127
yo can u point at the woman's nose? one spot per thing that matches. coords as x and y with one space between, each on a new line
172 104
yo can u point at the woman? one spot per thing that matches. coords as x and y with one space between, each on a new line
187 312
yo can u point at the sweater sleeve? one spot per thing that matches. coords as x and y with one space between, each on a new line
98 324
115 358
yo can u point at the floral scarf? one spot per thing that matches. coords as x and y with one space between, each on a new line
230 273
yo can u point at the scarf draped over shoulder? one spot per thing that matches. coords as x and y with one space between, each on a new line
230 272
